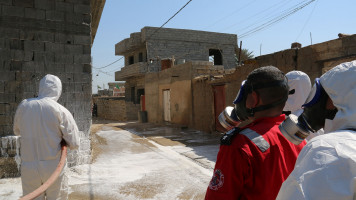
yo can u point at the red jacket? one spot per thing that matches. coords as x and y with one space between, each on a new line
255 164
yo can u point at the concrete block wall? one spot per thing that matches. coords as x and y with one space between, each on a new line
180 43
39 37
112 108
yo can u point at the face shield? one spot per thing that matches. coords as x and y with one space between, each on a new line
296 129
232 117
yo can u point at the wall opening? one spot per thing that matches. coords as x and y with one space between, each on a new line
139 93
215 56
131 60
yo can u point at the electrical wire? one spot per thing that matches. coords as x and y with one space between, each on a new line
169 19
306 22
109 64
274 20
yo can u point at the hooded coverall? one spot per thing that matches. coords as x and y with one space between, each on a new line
42 123
326 167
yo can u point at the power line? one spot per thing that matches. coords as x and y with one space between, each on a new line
306 22
169 19
109 64
274 20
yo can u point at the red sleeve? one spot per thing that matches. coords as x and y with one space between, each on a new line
231 169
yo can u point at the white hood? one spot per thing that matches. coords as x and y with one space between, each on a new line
340 84
300 82
50 86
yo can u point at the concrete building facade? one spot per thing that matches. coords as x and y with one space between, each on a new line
155 49
39 37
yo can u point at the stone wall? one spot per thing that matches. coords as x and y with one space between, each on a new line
113 108
39 37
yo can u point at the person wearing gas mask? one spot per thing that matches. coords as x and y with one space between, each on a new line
326 167
299 89
254 160
43 125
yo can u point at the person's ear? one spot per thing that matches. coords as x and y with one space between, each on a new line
256 98
252 100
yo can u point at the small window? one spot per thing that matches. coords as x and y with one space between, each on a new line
215 56
140 57
131 60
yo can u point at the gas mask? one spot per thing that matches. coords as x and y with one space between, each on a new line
232 117
296 129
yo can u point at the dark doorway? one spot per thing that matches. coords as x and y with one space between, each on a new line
139 93
215 56
132 94
131 60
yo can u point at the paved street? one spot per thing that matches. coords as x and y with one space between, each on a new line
140 161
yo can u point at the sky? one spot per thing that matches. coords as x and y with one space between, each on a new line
263 26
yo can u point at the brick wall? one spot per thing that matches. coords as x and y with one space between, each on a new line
39 37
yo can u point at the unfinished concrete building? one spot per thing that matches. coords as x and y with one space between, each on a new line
39 37
155 49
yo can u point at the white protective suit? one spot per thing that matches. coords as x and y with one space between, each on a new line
300 82
42 123
326 166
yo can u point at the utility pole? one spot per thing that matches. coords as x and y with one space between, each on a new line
260 48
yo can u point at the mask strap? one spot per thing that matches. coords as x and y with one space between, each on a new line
252 111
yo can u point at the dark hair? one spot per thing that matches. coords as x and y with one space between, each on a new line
266 75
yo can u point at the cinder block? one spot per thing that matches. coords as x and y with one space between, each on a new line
65 59
73 68
16 44
6 2
12 86
54 47
86 49
84 9
2 89
44 36
13 11
82 39
54 15
73 49
33 66
64 7
45 57
23 3
85 2
17 55
82 59
34 45
54 67
28 56
87 68
35 13
45 4
64 38
16 65
6 98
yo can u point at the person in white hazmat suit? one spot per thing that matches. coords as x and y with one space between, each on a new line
326 166
42 124
299 89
